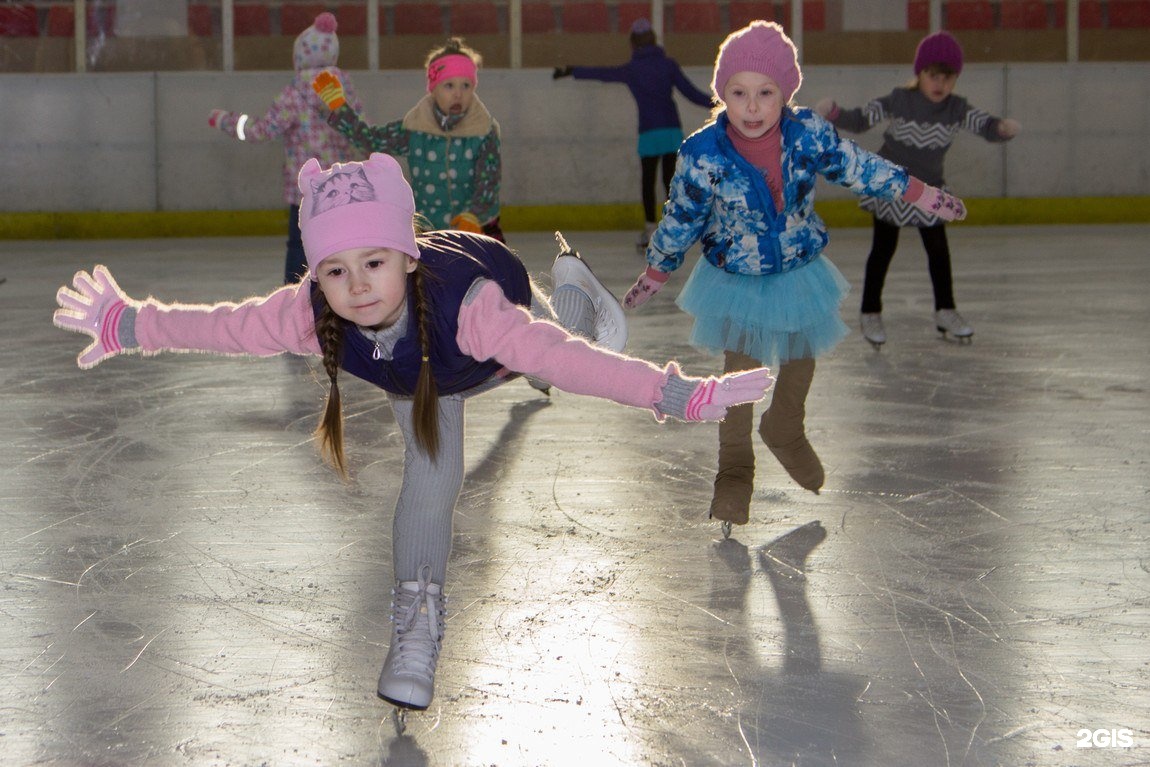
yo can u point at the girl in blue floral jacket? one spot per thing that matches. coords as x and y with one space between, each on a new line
764 293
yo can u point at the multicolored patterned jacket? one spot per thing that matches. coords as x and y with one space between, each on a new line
299 119
451 171
719 198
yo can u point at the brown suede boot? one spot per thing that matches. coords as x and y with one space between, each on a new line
782 425
735 478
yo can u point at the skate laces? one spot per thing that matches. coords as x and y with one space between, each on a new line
419 623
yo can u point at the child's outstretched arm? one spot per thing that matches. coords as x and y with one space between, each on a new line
491 327
264 326
96 306
389 138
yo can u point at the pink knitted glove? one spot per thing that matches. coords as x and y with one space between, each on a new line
1008 128
712 397
937 202
827 109
648 284
95 307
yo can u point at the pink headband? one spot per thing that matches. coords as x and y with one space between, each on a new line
452 65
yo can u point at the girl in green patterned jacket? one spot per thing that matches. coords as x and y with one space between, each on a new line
449 139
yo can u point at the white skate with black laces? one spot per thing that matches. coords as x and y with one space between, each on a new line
949 321
418 619
872 329
610 322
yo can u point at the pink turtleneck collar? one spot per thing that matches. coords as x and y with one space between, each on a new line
766 154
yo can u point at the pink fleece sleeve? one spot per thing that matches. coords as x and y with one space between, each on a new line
491 327
261 326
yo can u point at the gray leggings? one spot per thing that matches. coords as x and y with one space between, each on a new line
422 526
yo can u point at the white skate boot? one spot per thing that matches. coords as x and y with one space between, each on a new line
872 328
610 323
418 615
950 321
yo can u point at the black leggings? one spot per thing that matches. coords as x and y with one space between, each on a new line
650 165
882 251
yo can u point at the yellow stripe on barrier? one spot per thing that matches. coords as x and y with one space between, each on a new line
525 218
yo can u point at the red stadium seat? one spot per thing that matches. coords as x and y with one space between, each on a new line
1090 14
18 21
740 14
968 14
1129 14
629 13
1023 14
199 20
61 20
351 19
918 14
589 16
687 16
418 19
252 20
538 18
296 18
474 18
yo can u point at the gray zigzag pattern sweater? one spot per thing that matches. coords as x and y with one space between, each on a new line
919 133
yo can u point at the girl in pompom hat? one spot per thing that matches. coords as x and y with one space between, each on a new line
764 293
298 118
652 77
924 117
432 319
449 139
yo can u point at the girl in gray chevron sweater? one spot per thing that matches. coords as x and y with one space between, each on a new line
924 117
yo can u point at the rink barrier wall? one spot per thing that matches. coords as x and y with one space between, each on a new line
836 213
138 143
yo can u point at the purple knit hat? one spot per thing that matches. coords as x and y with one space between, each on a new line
761 47
641 26
939 48
355 205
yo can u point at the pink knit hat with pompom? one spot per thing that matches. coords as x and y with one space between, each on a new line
355 205
761 47
317 46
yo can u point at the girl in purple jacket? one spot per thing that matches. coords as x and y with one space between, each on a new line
652 78
432 319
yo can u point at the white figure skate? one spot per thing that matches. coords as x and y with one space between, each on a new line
872 329
610 322
418 622
950 321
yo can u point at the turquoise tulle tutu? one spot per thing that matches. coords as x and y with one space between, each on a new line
772 318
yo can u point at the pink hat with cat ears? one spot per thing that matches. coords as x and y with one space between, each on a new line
355 205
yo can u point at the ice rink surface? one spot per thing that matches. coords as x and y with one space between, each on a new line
185 583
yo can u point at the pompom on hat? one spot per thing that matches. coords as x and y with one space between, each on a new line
317 46
761 47
641 26
355 205
939 48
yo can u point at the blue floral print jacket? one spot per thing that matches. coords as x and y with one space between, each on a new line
718 197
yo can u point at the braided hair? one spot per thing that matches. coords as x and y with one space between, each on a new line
329 329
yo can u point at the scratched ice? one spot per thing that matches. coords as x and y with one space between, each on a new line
185 584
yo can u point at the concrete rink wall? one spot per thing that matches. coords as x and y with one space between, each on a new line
184 583
140 141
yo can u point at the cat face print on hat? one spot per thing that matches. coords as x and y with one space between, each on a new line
365 204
